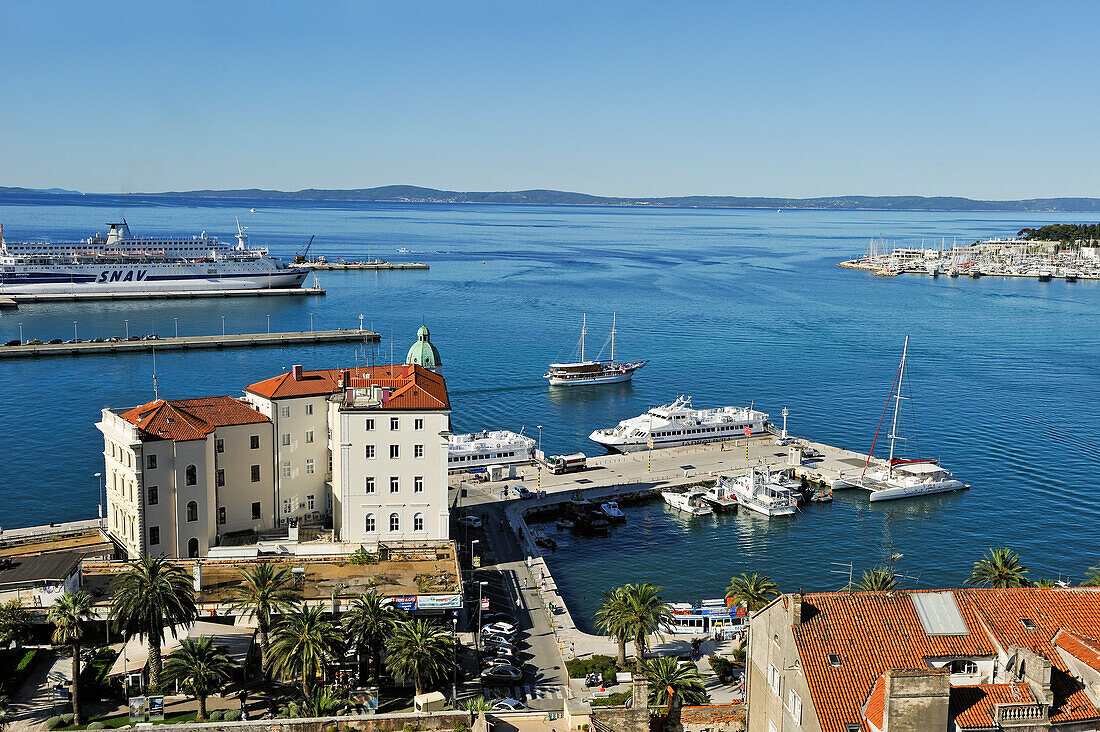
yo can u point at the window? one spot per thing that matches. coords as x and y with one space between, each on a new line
286 439
369 425
395 423
154 495
255 473
309 409
154 534
395 484
418 522
309 436
219 477
418 451
370 452
219 444
253 442
255 510
309 466
309 502
773 678
418 484
370 526
151 462
395 452
284 412
395 522
418 424
192 511
963 666
221 514
190 475
369 488
794 706
285 468
833 659
1027 623
193 547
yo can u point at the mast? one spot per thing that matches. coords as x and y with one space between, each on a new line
612 337
584 330
897 402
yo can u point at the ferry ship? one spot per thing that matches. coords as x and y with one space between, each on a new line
676 424
481 449
122 263
707 618
585 373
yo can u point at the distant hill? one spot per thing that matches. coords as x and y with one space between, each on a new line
417 194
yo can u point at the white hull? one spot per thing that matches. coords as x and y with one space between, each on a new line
657 444
682 502
890 493
586 381
765 511
283 279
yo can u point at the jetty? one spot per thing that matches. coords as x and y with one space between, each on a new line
376 264
228 340
15 300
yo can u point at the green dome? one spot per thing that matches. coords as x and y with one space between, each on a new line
423 353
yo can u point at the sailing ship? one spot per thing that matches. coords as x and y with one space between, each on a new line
901 478
584 372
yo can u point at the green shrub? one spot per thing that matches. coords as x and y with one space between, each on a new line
53 722
67 719
216 716
232 715
723 668
617 699
580 667
96 725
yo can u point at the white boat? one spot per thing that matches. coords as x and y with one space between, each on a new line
612 511
721 497
676 424
122 263
690 502
765 492
481 449
706 618
902 478
584 372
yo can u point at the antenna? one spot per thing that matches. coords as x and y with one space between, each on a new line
849 587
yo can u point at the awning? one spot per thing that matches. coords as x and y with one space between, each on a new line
235 640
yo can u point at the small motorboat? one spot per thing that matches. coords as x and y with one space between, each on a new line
564 524
612 511
545 542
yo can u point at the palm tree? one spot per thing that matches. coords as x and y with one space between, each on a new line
477 704
879 579
150 595
200 667
419 651
666 671
999 568
645 613
1047 582
367 623
752 590
69 615
265 591
614 619
15 623
305 641
320 703
1092 577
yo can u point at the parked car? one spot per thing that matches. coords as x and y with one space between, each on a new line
152 337
97 340
505 674
472 522
114 339
508 705
487 661
34 342
55 341
523 492
14 342
492 639
783 441
134 338
500 628
74 340
498 617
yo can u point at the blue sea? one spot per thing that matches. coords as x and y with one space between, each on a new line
730 306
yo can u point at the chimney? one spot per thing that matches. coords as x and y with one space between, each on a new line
916 700
385 395
795 609
349 397
641 691
1033 668
296 371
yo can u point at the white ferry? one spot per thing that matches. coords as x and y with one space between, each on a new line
586 372
708 617
119 262
672 425
481 449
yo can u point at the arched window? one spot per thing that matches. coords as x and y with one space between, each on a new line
371 526
192 547
418 522
190 475
395 522
192 511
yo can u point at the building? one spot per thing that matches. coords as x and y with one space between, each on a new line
423 353
924 661
182 474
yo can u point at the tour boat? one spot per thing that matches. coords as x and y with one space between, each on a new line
672 425
481 449
690 502
765 492
585 372
901 478
706 618
612 511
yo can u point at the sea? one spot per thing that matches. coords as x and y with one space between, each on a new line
731 307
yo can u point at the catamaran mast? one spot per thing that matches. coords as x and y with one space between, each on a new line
897 403
612 337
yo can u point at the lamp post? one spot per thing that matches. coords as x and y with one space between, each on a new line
269 323
223 325
454 660
20 332
75 336
176 323
127 321
311 322
539 426
103 492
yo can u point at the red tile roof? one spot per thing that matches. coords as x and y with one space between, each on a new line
971 707
1084 649
876 703
712 714
412 386
190 419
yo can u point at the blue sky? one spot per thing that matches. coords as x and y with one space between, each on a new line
988 100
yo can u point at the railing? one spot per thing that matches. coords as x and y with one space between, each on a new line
1022 712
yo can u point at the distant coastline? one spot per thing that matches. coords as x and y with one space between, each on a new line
416 194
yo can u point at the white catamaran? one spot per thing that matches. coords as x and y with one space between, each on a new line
901 478
584 372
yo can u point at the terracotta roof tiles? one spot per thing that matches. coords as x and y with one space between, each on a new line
971 707
190 419
412 387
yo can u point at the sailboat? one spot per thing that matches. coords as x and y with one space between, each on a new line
901 478
584 372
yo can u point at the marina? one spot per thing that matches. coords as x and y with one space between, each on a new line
1041 260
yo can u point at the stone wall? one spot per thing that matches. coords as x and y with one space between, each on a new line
366 723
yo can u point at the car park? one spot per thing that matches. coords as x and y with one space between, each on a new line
503 674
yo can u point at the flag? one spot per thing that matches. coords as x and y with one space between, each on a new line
748 432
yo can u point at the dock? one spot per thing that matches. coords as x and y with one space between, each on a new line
229 340
377 264
15 300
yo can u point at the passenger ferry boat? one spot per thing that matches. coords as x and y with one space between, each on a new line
764 492
122 263
708 617
481 449
672 425
585 373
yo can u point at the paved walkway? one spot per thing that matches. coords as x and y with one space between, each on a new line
34 703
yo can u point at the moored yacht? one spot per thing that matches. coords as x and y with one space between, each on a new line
764 491
611 510
672 425
481 449
690 502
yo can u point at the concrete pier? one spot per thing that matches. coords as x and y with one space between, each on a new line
14 300
378 264
229 340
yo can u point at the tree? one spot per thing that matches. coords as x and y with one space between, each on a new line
15 623
319 703
200 667
477 704
613 618
1092 577
264 592
69 615
754 591
879 579
367 624
421 652
999 568
645 614
150 595
1046 582
666 671
305 641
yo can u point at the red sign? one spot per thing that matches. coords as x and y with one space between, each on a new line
748 431
485 604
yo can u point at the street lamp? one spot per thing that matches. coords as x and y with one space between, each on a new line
127 321
176 322
223 325
454 661
540 437
269 323
75 336
20 332
311 322
103 491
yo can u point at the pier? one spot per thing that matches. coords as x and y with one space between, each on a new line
230 340
15 300
377 264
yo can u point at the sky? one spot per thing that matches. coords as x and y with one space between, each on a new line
994 100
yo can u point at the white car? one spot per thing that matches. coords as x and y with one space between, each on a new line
495 641
508 705
500 628
472 522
